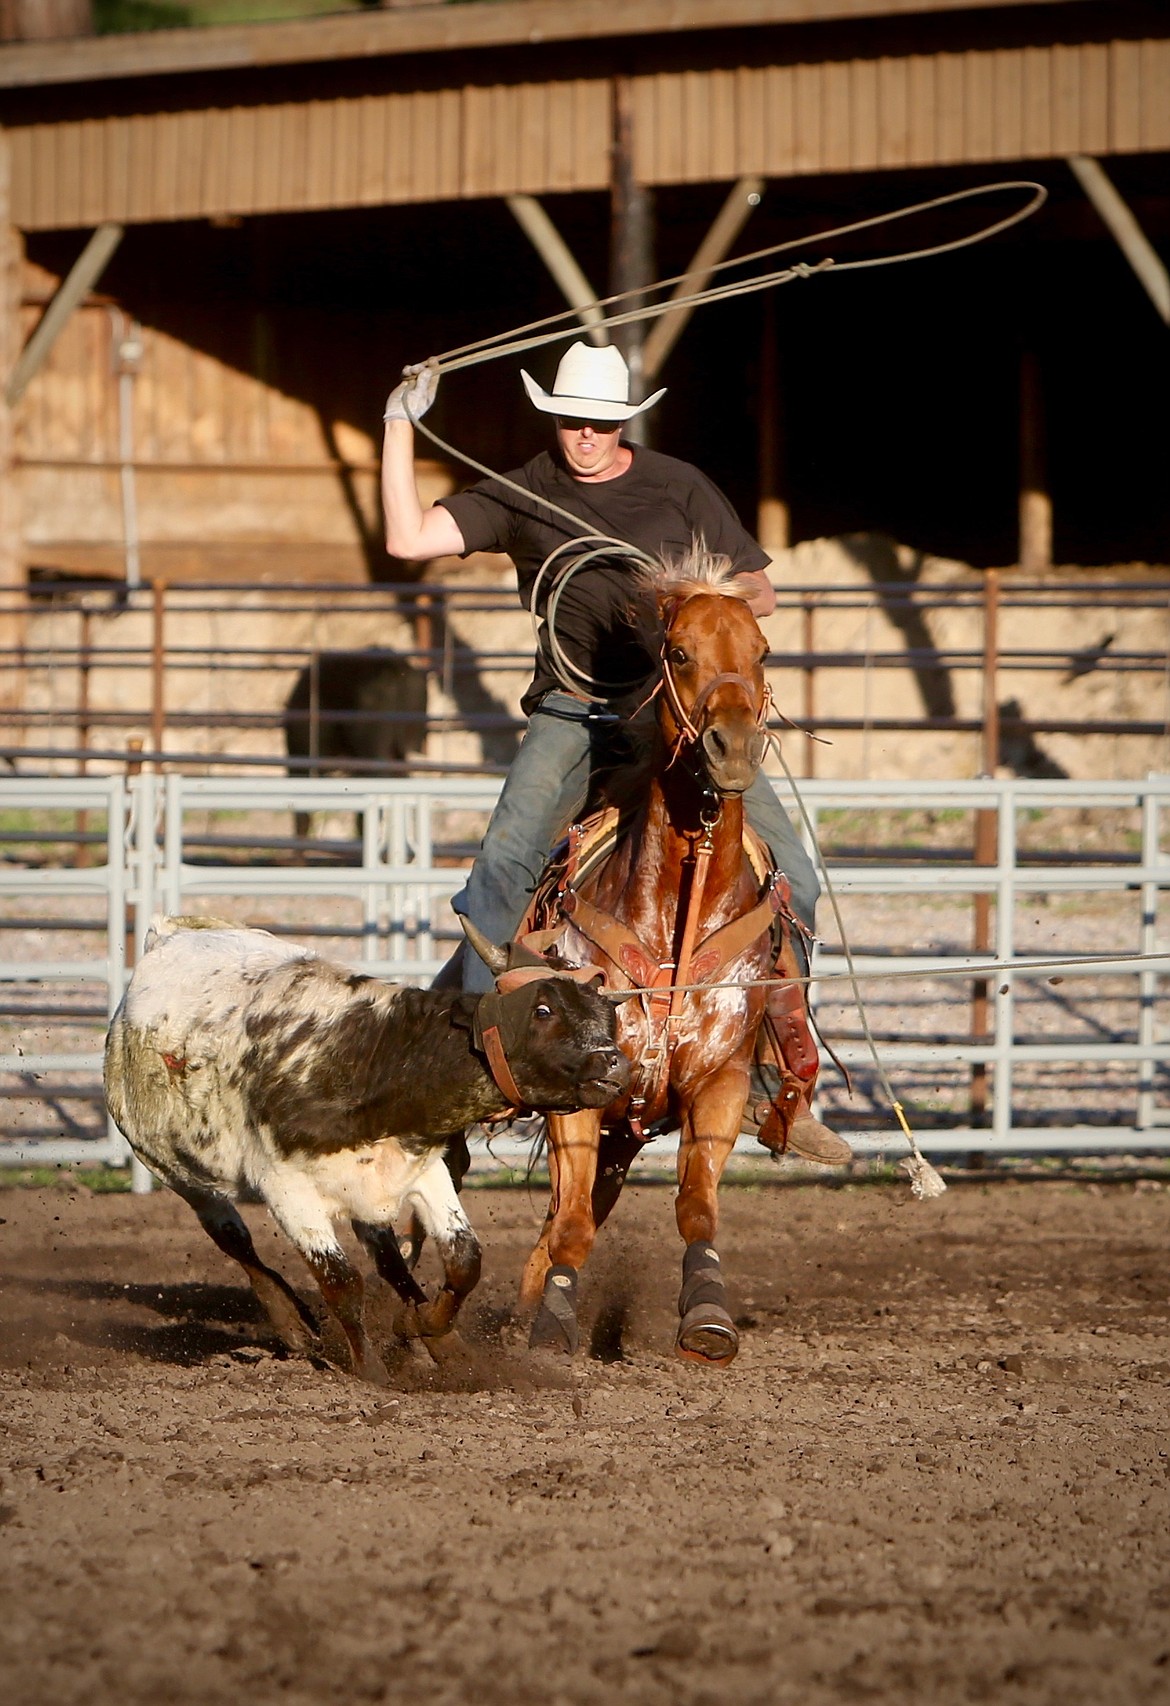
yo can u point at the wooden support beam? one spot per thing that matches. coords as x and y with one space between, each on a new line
728 223
1128 234
773 524
11 537
1035 546
558 258
631 255
83 275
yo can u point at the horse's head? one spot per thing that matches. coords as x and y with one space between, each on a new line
714 696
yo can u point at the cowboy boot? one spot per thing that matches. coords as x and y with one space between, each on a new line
785 1118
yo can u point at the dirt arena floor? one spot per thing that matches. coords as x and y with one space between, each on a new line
939 1471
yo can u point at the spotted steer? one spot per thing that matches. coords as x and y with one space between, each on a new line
244 1069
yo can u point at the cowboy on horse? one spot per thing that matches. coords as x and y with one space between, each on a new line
661 506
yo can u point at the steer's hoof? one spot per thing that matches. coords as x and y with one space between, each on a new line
555 1327
707 1334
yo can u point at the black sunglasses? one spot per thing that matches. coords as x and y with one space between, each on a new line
574 423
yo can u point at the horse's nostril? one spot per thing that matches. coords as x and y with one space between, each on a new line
715 743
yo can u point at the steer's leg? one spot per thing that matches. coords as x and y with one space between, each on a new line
384 1246
573 1138
710 1125
280 1302
457 1157
298 1207
434 1199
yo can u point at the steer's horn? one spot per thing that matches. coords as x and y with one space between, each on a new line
495 959
617 996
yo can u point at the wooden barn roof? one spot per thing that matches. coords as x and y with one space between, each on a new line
431 29
481 100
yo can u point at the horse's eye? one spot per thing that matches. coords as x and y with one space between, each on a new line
677 655
542 1010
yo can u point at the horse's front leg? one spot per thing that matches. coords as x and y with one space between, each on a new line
568 1233
710 1127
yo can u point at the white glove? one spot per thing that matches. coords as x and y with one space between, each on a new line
417 392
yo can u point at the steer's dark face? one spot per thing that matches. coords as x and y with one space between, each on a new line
560 1040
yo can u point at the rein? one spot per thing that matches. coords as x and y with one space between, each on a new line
689 734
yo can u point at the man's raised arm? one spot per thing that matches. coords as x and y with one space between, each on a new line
412 534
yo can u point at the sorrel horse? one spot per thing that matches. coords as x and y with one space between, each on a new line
677 902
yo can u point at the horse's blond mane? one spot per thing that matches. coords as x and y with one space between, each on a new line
698 571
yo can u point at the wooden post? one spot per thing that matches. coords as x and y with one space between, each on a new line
559 259
1035 548
773 527
986 839
631 241
12 615
314 709
712 251
158 670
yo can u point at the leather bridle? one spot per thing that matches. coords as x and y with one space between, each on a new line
689 732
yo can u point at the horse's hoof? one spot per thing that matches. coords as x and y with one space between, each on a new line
555 1327
707 1334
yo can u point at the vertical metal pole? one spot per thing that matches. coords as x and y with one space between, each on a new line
158 669
425 858
809 675
81 857
314 709
631 241
139 897
986 828
370 808
173 843
1005 947
117 829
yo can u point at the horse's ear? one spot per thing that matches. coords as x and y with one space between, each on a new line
668 603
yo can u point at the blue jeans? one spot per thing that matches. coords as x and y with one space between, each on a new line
545 791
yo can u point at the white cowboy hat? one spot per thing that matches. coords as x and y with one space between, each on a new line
592 384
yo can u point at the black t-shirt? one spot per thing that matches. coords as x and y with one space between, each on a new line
660 504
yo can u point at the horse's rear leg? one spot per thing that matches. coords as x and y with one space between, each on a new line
568 1233
615 1156
706 1331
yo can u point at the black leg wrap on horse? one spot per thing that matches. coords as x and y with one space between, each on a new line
706 1332
702 1278
555 1327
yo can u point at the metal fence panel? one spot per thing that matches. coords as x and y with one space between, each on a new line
402 871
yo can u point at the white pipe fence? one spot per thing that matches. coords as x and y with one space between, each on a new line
415 843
